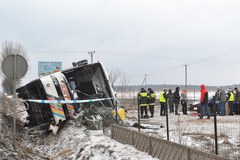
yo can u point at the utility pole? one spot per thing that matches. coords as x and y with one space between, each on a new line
185 76
91 53
145 79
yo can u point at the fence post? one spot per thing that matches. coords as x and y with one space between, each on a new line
112 132
215 124
149 145
167 122
132 138
188 153
138 116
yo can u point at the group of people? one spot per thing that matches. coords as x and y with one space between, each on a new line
146 99
232 97
167 98
172 100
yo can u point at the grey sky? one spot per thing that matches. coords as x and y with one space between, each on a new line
153 37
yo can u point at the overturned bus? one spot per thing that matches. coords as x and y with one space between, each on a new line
55 98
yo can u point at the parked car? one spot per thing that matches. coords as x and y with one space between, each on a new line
196 106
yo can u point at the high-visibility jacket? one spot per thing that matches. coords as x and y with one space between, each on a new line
151 99
121 113
231 98
162 98
143 98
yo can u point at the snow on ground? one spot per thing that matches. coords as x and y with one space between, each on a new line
77 142
73 142
197 133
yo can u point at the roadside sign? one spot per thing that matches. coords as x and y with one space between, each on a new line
14 66
12 61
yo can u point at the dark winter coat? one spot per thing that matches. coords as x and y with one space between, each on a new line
151 97
170 97
176 97
237 96
143 100
221 95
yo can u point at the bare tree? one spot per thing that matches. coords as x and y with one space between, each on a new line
9 48
124 80
114 75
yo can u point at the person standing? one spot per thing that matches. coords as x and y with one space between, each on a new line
221 100
217 101
204 101
163 102
184 101
176 100
230 100
237 99
151 101
143 102
170 97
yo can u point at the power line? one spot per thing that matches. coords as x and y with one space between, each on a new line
224 54
58 51
146 54
217 56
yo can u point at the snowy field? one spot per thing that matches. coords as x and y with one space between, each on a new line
197 133
76 142
72 142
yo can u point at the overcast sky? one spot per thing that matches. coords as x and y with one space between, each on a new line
138 37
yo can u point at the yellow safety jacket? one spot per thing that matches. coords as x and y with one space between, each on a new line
152 98
162 98
121 113
231 98
143 99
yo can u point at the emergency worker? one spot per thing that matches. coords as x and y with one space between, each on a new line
163 102
143 102
151 101
230 100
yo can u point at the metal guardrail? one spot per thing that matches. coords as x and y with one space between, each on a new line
159 148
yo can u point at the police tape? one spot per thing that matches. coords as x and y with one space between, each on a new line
66 101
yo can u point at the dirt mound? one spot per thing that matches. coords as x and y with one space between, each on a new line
7 151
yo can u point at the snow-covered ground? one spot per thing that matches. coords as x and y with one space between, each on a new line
71 142
198 133
78 142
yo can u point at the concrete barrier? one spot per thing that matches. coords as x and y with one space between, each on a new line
159 148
